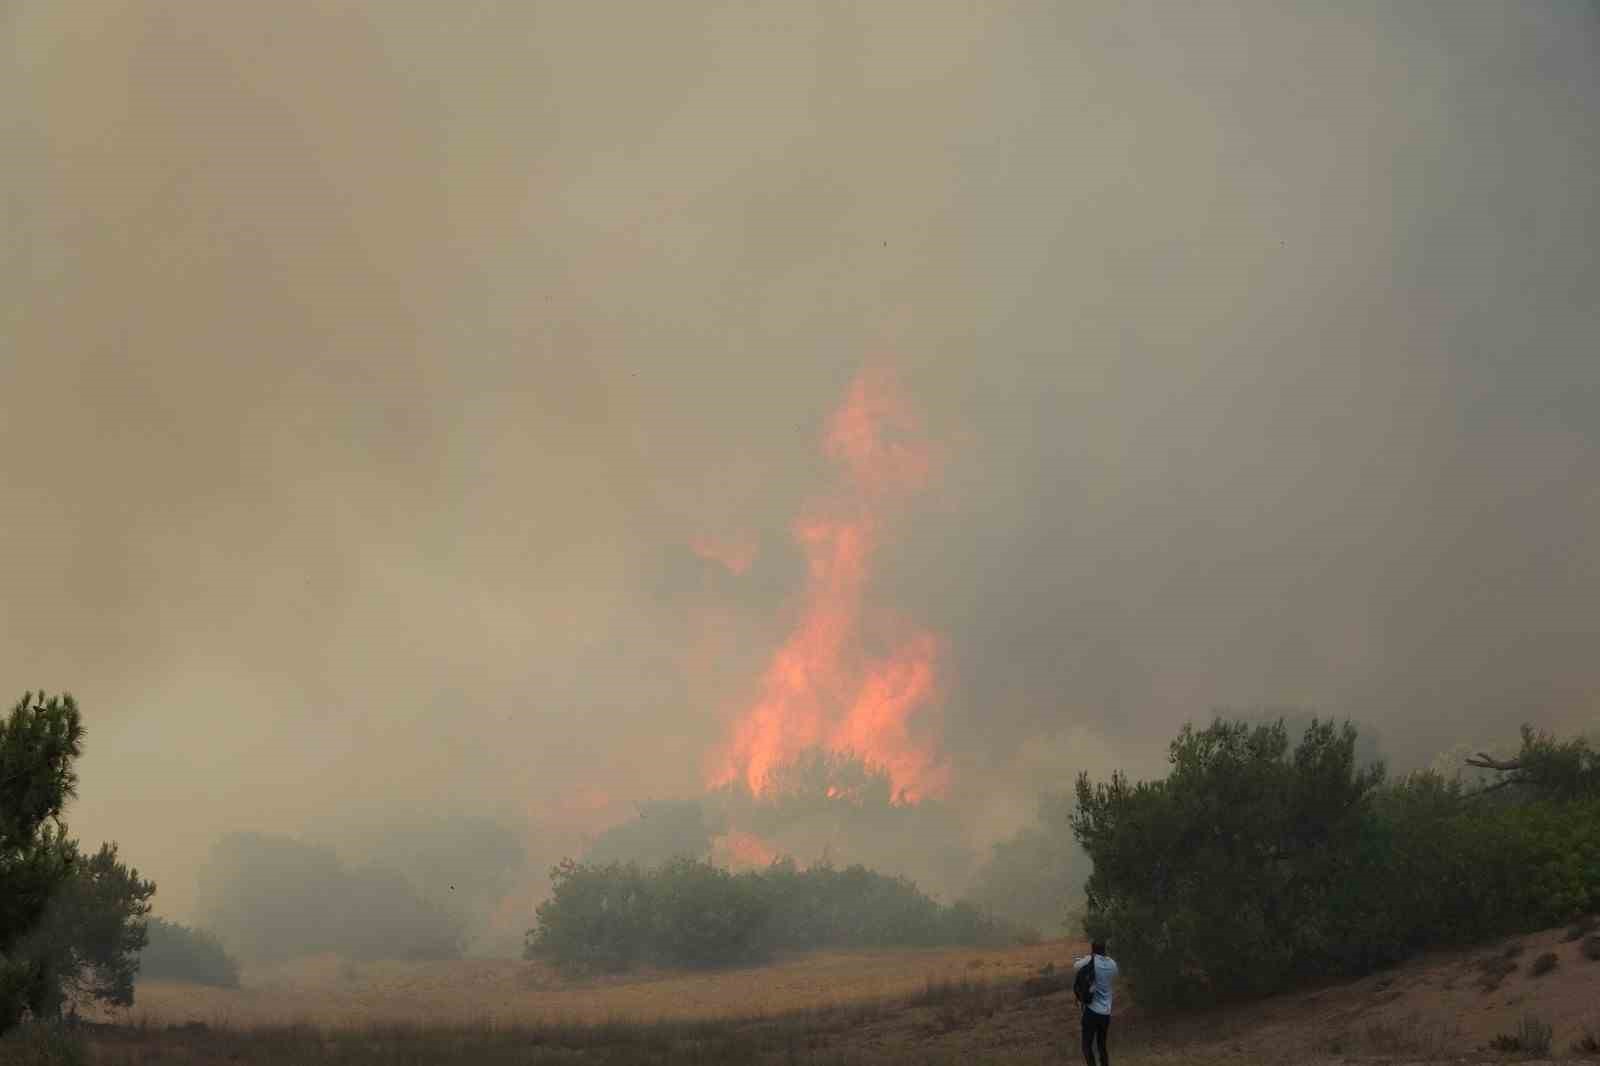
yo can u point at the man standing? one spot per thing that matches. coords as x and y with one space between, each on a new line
1097 1008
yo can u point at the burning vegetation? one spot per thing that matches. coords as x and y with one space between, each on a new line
848 679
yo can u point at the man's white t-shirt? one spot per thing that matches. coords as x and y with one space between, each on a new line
1105 971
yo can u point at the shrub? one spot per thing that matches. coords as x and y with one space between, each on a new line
1532 1037
1544 964
596 919
1386 1037
1495 969
690 913
176 952
702 915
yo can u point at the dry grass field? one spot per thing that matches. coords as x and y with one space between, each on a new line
330 992
836 1009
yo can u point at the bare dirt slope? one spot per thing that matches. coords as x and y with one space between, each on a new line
1445 1003
944 1006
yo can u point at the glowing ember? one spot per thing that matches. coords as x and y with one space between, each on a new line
742 851
821 688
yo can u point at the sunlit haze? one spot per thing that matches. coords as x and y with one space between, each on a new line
523 411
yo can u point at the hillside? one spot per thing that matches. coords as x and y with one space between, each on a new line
935 1006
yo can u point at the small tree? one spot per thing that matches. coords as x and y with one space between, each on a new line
1236 871
70 925
39 741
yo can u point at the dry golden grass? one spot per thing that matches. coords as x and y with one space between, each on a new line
865 1008
329 992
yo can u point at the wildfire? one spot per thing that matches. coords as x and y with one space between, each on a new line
737 850
821 688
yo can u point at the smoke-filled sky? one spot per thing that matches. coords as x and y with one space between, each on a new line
382 380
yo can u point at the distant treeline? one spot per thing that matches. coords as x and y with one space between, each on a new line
691 913
272 897
1252 865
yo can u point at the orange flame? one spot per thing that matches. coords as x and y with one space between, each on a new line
820 688
739 850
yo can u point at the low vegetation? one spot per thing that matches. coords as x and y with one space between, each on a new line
817 1036
690 913
1494 970
1388 1038
1532 1037
43 1044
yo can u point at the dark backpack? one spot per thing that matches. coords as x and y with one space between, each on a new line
1083 982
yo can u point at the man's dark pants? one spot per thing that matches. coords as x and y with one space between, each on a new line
1095 1027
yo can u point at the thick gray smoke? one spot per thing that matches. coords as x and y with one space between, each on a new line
370 372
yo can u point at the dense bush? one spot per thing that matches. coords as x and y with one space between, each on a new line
1460 867
175 952
1250 866
690 913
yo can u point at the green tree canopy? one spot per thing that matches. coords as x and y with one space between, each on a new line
71 925
1546 767
39 740
1215 881
1251 866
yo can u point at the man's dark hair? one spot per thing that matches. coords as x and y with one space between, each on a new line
1098 947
